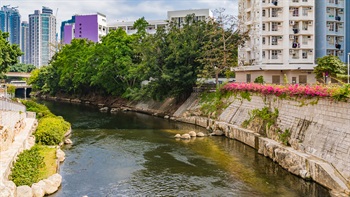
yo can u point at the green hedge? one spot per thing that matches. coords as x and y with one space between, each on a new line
51 130
40 110
26 168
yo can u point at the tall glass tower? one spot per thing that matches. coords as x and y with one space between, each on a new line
10 21
42 36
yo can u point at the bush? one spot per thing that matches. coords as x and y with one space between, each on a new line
259 79
26 168
40 110
51 130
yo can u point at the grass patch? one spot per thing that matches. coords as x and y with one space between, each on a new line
50 161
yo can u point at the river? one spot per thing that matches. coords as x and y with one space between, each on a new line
133 154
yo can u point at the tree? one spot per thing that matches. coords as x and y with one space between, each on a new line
9 53
220 51
329 66
27 68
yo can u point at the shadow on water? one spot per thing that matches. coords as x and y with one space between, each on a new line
131 154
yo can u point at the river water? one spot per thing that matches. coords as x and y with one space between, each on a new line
133 154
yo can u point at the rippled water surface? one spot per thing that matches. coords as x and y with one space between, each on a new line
132 154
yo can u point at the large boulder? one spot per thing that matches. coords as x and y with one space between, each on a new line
38 189
192 133
52 183
177 136
68 141
200 134
60 155
104 109
24 191
186 136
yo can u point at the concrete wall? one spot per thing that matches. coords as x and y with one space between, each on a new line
322 130
320 135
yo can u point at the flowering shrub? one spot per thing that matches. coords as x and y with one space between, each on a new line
295 90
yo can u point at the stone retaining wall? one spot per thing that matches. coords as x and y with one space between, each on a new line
320 135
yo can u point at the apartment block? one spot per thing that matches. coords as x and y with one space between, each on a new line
91 26
177 16
282 41
10 21
331 28
42 36
25 58
128 26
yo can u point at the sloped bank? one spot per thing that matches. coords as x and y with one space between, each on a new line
319 141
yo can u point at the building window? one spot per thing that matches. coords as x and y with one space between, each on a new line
302 79
263 55
263 40
306 11
304 54
274 12
295 12
263 26
274 26
274 54
249 77
276 79
274 40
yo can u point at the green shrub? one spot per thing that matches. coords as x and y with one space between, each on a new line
259 79
26 168
51 130
40 110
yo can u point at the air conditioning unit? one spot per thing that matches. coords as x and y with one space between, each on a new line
341 10
291 22
280 37
310 51
291 37
310 22
280 51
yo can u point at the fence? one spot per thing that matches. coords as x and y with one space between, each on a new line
9 105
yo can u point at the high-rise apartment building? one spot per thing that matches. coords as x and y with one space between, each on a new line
92 27
42 36
331 28
10 21
282 41
25 43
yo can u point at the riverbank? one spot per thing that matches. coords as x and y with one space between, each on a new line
24 161
297 158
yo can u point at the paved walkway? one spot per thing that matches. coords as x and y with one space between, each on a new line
19 144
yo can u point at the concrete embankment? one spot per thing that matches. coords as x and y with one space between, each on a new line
319 141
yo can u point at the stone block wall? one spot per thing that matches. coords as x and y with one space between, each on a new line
321 129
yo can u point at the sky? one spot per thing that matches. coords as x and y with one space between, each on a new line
117 10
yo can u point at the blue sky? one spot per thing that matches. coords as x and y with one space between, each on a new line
118 10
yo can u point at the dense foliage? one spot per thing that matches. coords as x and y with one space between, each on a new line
40 110
329 66
51 130
27 68
338 93
9 53
137 66
26 169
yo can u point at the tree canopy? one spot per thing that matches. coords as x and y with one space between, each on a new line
9 53
138 66
330 66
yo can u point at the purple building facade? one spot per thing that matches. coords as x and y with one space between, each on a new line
92 27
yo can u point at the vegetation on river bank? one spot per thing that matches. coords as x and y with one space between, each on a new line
140 66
